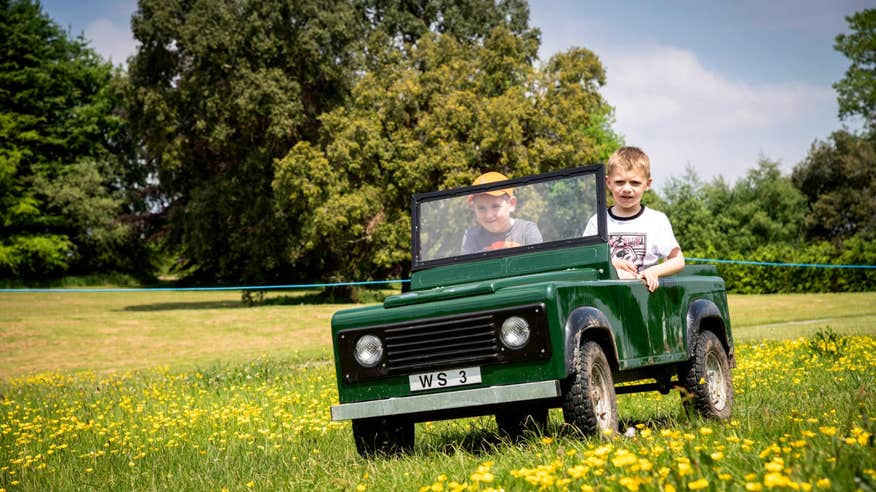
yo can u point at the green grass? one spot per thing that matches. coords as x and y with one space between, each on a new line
784 316
139 330
211 395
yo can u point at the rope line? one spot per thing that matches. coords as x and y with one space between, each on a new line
383 282
778 264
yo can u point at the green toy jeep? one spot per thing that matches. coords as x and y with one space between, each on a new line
516 329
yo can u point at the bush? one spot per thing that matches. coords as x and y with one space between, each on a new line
765 279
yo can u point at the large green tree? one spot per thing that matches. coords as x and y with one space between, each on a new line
222 88
218 90
434 116
857 90
838 177
64 155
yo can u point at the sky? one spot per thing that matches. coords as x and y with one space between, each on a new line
710 86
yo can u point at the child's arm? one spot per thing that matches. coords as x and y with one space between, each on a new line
673 263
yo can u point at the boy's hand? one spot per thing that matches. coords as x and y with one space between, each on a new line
624 265
651 279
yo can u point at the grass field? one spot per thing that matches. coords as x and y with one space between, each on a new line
194 391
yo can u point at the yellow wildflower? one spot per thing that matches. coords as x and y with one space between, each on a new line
827 430
630 483
623 458
698 484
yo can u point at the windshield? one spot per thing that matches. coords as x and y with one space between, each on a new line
507 217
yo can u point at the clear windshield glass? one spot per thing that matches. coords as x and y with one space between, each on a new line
523 215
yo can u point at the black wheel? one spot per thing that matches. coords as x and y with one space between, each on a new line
589 400
383 435
708 383
514 423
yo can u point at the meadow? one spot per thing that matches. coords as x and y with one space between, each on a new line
195 391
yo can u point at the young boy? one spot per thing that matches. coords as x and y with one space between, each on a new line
496 227
637 236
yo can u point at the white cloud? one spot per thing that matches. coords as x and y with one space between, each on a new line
111 41
681 113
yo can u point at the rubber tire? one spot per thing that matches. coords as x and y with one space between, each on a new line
383 436
513 424
589 399
714 398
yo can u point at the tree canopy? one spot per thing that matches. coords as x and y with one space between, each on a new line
64 174
276 140
377 99
857 90
838 177
434 119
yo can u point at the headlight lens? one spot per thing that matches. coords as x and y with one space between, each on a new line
515 332
369 350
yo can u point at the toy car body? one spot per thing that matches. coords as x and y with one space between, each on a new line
515 331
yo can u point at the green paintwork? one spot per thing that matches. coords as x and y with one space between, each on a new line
648 329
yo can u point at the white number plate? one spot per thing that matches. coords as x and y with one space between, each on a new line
445 379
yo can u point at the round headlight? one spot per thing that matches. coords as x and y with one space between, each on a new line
515 332
369 350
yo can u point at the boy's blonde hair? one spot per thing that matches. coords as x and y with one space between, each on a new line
630 158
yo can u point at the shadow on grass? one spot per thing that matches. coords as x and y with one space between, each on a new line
306 298
475 441
184 306
479 437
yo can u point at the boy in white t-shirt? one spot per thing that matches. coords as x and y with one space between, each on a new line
639 237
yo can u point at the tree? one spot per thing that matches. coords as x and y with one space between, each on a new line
857 90
719 219
63 155
431 116
838 178
687 206
219 89
762 208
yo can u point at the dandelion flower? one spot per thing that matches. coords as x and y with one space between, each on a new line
698 484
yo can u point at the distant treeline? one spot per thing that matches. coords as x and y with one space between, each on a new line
268 141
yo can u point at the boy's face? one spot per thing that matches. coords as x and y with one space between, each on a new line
627 188
494 212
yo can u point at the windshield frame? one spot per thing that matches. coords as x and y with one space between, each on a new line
601 214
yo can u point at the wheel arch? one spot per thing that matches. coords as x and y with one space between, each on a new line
585 324
703 315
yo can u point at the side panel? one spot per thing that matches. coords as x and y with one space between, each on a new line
647 328
622 303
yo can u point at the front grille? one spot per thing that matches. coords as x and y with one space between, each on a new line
433 344
436 344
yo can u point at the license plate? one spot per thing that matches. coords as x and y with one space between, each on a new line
445 379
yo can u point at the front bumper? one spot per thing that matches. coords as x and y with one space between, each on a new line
447 401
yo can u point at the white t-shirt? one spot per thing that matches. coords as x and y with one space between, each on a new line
643 239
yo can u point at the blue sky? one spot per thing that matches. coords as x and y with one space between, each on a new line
710 85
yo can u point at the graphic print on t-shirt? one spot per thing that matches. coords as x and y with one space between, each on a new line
629 246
